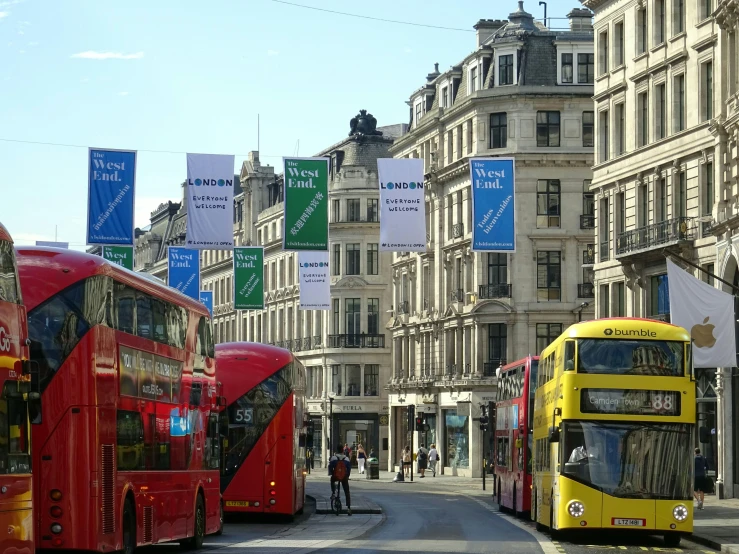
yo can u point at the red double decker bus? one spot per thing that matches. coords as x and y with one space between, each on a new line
263 468
16 513
514 412
128 451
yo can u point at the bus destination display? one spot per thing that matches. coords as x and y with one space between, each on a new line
631 402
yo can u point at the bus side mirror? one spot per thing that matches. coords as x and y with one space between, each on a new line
704 434
553 434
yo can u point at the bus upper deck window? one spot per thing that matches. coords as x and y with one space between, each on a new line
569 355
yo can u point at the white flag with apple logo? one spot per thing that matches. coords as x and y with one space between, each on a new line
708 315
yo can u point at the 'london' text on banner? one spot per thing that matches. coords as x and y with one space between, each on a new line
121 255
402 205
111 184
249 278
206 298
183 271
306 204
493 204
315 283
210 200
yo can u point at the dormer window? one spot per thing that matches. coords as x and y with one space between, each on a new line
505 69
575 63
419 112
444 97
473 79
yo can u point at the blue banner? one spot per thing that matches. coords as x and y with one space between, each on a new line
493 204
111 183
206 297
184 271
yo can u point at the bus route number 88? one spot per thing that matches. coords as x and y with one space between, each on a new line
663 402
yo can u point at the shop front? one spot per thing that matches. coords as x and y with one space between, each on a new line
355 424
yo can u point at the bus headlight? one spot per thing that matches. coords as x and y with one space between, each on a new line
680 512
575 508
56 528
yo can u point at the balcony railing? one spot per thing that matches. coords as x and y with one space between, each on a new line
489 367
586 290
587 221
355 219
403 307
457 295
660 317
457 230
501 290
356 341
588 257
655 235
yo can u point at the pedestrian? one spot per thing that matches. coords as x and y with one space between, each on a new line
701 477
347 450
423 457
361 458
407 460
340 468
433 458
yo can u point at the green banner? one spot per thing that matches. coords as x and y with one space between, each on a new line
249 278
121 255
306 204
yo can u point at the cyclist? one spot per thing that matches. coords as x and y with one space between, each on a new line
340 467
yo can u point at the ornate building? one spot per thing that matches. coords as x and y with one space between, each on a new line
525 91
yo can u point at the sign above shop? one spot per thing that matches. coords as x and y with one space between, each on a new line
428 399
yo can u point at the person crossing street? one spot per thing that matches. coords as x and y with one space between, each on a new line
340 468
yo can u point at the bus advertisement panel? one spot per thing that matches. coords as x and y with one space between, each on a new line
513 434
263 429
613 424
127 453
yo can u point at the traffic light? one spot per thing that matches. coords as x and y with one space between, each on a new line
484 422
419 423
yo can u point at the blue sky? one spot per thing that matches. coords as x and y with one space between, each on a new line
191 76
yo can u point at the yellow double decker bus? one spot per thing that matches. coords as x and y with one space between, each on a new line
614 414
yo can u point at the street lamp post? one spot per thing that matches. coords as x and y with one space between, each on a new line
331 424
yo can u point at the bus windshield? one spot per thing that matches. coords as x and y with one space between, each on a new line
631 357
630 460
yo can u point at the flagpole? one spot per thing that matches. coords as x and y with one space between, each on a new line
670 254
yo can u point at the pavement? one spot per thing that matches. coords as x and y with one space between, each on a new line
717 524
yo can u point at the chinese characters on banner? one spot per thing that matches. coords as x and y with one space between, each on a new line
111 184
210 194
249 278
183 271
306 204
402 205
493 204
315 283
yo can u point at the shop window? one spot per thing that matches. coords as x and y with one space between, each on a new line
456 440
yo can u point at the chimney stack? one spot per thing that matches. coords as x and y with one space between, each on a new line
486 28
581 20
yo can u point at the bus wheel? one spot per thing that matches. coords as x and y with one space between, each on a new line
129 528
500 505
672 540
515 511
220 528
196 541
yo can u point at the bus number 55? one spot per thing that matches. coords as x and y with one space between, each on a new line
244 415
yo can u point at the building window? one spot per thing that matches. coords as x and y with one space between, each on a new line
643 206
706 8
373 316
444 97
567 70
641 31
470 136
588 127
603 53
547 128
588 203
548 275
352 258
373 259
585 69
605 132
708 273
642 119
662 199
353 312
352 209
498 130
659 21
336 210
678 102
497 269
546 333
505 69
473 79
336 262
419 107
604 222
621 208
659 295
619 300
336 379
707 92
371 379
708 204
682 195
618 46
660 116
336 324
604 301
678 14
620 129
373 210
497 342
353 379
547 203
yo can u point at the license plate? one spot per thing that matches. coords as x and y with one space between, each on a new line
620 522
236 504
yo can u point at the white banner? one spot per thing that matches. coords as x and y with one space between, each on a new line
402 207
210 201
315 283
708 315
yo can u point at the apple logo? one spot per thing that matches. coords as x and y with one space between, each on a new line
702 334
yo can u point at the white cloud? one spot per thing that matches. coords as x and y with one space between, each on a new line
273 52
125 93
33 43
93 55
10 3
21 51
4 14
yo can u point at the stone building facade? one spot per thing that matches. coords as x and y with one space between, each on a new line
658 181
526 92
